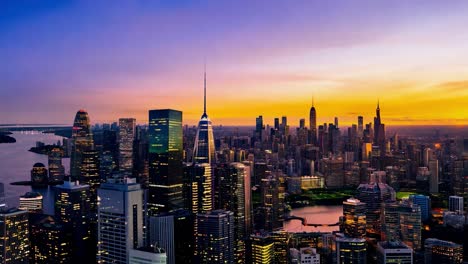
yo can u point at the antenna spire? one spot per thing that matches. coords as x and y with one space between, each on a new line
204 90
312 101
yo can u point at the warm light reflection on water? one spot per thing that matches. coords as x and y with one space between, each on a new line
320 214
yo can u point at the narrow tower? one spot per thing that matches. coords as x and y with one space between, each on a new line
204 149
313 124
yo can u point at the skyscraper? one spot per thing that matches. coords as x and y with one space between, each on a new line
165 160
90 174
270 214
259 127
14 236
73 210
126 138
50 241
56 169
120 220
215 237
82 140
313 124
354 218
173 232
351 251
232 184
200 188
360 127
402 221
379 131
204 148
373 195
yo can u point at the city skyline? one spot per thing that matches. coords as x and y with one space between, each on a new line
261 60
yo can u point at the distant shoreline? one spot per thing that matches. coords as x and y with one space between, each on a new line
6 138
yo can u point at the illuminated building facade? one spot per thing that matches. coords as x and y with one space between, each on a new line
120 220
56 169
14 236
165 161
126 138
31 202
440 251
90 175
262 249
215 237
39 176
233 181
281 241
200 188
50 241
351 250
354 218
73 210
402 222
82 140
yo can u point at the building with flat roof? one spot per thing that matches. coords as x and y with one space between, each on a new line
394 252
147 255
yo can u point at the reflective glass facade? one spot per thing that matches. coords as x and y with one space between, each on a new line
165 160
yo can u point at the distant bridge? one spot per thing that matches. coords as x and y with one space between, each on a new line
304 221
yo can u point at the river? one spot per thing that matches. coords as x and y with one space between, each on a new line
318 214
16 162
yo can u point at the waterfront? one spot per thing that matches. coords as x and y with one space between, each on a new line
16 162
318 214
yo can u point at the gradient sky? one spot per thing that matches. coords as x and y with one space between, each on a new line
122 58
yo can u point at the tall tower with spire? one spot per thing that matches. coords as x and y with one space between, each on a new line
204 149
379 131
313 124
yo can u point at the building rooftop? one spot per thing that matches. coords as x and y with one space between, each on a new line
11 211
152 249
30 195
72 185
393 245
